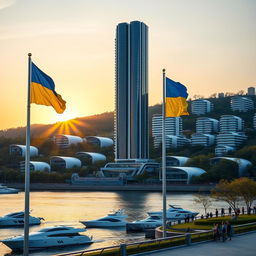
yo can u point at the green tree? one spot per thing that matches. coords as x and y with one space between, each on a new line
246 189
226 192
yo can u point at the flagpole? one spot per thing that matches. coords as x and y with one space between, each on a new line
164 156
27 167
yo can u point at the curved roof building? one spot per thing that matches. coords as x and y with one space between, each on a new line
36 166
20 150
65 162
99 141
243 164
64 141
182 174
91 156
176 160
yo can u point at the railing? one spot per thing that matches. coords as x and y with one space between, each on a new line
151 245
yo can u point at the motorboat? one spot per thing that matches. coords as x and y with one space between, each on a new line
175 212
151 222
58 236
113 219
16 219
5 190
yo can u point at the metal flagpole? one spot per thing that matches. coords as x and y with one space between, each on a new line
27 167
164 157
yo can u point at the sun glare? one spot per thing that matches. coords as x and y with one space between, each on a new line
64 117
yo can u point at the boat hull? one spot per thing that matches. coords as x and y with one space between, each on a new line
40 244
103 224
18 222
140 227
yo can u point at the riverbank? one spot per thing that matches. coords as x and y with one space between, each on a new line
133 187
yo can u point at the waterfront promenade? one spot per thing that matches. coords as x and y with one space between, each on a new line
130 187
241 245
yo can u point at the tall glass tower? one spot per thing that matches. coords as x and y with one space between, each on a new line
131 113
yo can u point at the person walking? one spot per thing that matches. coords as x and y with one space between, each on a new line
229 210
224 231
217 213
215 232
243 210
229 230
222 212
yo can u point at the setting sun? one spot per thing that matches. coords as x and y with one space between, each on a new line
65 116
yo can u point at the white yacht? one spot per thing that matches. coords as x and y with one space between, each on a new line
16 219
58 236
113 219
148 223
175 213
5 190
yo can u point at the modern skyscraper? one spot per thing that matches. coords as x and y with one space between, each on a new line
131 113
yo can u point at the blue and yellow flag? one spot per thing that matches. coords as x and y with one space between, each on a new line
43 91
176 95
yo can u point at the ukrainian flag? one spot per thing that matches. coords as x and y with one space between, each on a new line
176 95
43 91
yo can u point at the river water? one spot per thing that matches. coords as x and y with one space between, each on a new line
67 208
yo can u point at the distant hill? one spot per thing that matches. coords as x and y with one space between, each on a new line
103 124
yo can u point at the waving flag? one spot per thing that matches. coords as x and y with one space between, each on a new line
176 95
43 91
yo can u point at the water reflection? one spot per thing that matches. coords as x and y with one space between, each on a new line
67 208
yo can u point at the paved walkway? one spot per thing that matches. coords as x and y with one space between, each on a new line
244 245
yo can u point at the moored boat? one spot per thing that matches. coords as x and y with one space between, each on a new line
50 237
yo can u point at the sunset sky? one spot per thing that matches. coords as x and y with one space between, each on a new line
208 45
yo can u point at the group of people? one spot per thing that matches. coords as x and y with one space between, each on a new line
223 231
222 212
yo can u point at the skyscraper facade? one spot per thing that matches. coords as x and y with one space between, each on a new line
131 112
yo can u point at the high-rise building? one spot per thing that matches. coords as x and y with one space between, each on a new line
254 121
131 113
251 91
207 125
201 107
241 104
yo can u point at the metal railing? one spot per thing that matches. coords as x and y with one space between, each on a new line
154 244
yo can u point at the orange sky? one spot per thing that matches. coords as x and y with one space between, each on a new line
210 46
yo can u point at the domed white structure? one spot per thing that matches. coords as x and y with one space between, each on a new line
36 166
99 141
64 141
20 150
182 174
243 164
65 162
91 156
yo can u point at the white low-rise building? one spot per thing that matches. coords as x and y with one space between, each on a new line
20 150
231 139
182 174
230 123
99 141
65 162
64 141
222 150
205 140
241 104
206 125
92 157
201 107
243 164
36 166
171 141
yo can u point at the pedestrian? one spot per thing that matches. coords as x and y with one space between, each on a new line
216 213
210 214
224 231
207 215
229 210
215 232
254 209
249 210
229 230
202 216
238 211
222 212
243 210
